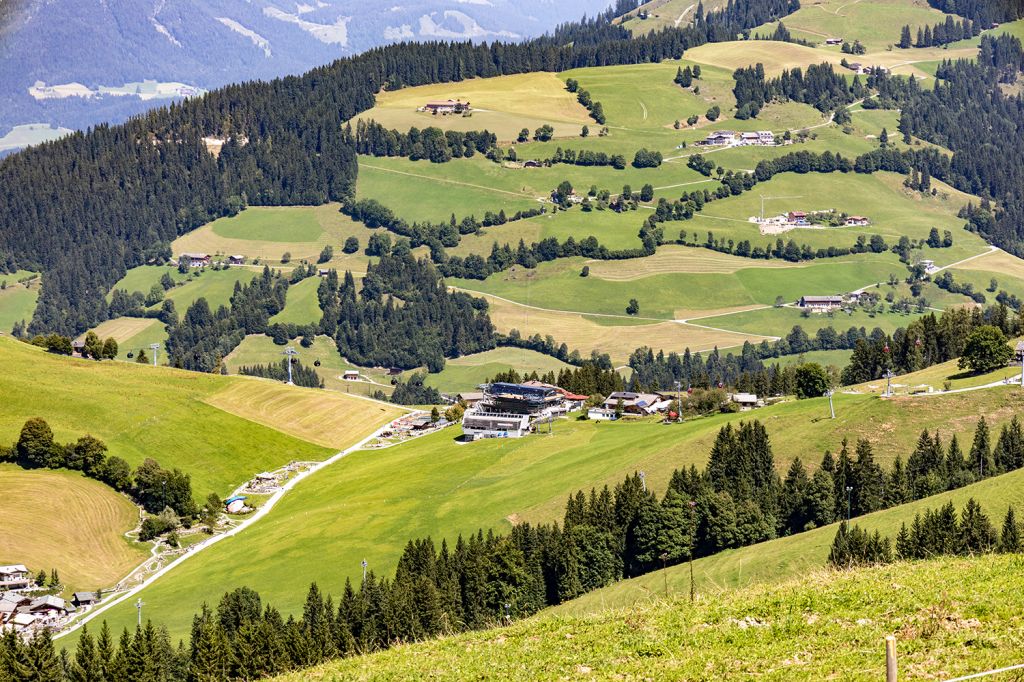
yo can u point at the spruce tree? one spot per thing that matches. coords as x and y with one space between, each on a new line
1009 538
981 451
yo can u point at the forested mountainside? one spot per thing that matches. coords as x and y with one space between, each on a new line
108 43
85 208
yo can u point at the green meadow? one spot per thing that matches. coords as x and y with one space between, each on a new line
302 305
17 304
270 224
780 321
216 286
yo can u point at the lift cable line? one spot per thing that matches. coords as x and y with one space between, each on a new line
290 353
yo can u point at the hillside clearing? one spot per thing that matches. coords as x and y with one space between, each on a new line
63 520
469 371
267 233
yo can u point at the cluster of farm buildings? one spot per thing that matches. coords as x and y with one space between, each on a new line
729 138
503 410
797 219
26 608
202 260
446 106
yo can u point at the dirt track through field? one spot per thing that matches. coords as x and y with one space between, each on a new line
445 181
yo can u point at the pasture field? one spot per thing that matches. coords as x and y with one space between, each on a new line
418 192
360 509
780 321
661 14
142 278
154 333
266 233
503 105
469 371
776 561
1014 28
302 305
83 538
216 286
675 259
259 349
326 418
817 625
123 328
557 285
589 332
17 303
1006 269
142 412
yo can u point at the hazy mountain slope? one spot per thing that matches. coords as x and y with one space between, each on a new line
108 43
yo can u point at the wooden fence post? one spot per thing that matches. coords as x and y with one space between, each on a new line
890 659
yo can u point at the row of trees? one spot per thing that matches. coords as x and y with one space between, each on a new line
152 486
434 144
939 532
301 375
943 33
977 336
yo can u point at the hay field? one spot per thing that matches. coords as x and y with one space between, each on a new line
616 336
122 329
326 418
63 520
503 105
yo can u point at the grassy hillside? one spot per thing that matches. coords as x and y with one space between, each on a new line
775 561
17 299
144 412
368 505
63 520
951 617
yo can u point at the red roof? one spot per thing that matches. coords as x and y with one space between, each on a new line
573 396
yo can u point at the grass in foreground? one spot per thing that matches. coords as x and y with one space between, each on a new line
141 412
63 520
950 617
